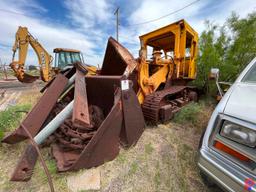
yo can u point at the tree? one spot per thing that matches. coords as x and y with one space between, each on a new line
229 47
210 52
243 47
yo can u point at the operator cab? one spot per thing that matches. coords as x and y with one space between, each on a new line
174 44
64 58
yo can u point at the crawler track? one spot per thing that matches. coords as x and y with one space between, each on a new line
155 101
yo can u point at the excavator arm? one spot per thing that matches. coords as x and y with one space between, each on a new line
22 39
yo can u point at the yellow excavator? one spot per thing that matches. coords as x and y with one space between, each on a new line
63 58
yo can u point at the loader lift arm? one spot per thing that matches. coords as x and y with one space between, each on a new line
22 39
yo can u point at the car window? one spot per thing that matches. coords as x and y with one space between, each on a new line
250 76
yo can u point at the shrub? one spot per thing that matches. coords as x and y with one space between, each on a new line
188 114
195 114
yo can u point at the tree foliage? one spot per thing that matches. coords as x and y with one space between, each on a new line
229 47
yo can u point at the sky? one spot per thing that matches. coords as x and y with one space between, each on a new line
86 25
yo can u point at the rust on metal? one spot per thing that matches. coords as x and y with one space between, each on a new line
81 110
166 112
27 78
155 101
23 172
103 115
35 119
85 147
24 169
133 118
117 59
162 105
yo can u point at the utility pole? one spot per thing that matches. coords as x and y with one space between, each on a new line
117 22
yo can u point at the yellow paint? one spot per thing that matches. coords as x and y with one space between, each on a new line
22 39
175 38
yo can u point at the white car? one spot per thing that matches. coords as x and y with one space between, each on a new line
227 153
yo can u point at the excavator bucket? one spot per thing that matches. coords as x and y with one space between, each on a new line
21 75
28 78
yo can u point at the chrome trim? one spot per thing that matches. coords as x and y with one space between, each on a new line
214 177
226 168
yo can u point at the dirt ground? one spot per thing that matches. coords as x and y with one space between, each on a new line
164 159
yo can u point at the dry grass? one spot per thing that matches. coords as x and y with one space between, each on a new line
30 96
164 159
9 155
169 164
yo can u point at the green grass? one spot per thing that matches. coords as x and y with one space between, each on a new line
51 165
149 148
195 114
121 158
188 114
11 117
133 168
157 177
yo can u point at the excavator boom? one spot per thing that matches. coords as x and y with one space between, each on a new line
22 39
64 58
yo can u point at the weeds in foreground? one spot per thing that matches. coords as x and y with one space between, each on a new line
149 148
195 114
10 118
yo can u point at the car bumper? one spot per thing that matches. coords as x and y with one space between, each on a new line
224 172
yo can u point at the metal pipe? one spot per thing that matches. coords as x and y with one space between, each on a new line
54 124
68 86
59 119
70 82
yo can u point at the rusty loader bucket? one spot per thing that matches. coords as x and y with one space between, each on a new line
84 118
108 105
